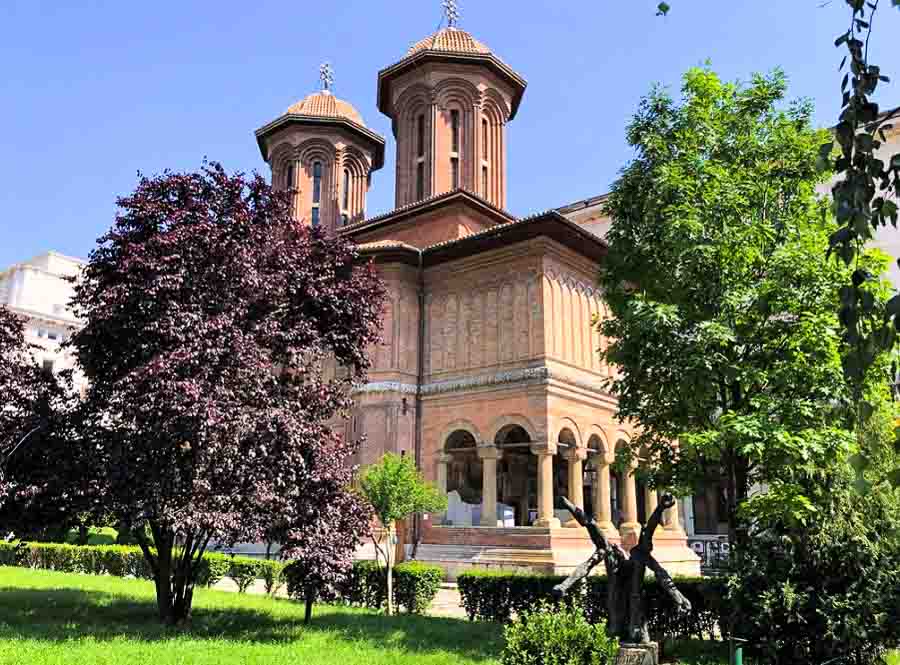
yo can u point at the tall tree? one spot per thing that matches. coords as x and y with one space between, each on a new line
35 420
395 489
865 197
211 318
724 307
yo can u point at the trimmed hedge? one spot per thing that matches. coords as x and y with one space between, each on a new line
129 561
415 586
497 596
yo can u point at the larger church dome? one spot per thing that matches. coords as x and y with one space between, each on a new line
449 40
325 105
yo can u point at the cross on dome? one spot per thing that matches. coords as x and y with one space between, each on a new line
451 11
326 75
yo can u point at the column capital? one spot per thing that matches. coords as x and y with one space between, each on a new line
489 452
544 448
575 454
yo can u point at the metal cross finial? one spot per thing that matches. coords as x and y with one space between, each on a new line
326 75
451 11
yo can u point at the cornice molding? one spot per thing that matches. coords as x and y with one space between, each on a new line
541 375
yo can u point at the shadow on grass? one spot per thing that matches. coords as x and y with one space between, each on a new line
66 614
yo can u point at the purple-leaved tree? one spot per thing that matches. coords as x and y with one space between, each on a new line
36 414
211 318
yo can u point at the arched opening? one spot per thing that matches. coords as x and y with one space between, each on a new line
464 471
596 460
566 441
517 474
618 478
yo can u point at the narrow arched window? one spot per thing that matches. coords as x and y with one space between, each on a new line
346 196
289 177
420 136
485 157
317 192
454 149
420 181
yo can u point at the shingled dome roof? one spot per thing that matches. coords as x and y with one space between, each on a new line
449 40
325 105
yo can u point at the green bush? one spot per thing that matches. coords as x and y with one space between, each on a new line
212 569
415 586
498 596
272 575
828 590
244 572
550 635
129 561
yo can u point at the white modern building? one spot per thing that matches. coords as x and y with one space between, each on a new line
39 290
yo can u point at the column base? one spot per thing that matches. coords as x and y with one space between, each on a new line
630 533
549 523
609 529
489 523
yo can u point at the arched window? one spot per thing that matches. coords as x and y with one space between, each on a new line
317 192
345 204
289 177
454 149
485 158
420 181
420 157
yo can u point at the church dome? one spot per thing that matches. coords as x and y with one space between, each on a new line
450 40
325 105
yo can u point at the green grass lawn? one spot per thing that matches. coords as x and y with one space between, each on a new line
52 618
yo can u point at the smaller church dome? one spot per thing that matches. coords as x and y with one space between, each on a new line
449 40
325 105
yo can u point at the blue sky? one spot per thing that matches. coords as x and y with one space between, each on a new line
96 90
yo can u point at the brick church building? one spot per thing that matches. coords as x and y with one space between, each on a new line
488 373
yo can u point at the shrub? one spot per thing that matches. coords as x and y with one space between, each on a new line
549 635
212 569
825 591
498 596
272 575
415 586
128 561
244 572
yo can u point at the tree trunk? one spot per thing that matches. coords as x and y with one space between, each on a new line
310 597
84 534
173 572
390 571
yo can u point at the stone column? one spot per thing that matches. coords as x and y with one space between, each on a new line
630 528
673 519
545 452
651 501
575 458
443 464
489 456
602 498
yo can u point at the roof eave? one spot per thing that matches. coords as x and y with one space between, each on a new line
551 224
428 205
376 141
518 83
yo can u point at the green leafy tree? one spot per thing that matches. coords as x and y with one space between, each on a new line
724 306
865 195
396 490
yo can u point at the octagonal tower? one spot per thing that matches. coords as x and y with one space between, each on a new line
449 99
322 152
